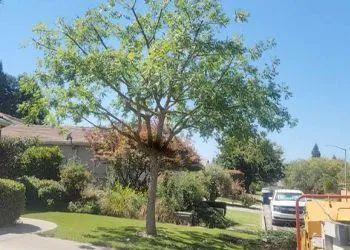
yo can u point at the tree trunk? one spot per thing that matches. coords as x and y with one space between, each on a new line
152 192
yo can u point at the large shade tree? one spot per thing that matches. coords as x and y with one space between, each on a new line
257 157
159 65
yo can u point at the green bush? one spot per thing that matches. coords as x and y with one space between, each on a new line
123 202
247 200
276 240
47 194
89 207
42 162
75 178
218 182
165 212
10 154
211 217
90 200
12 201
182 190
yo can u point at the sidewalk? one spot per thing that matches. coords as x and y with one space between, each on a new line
22 236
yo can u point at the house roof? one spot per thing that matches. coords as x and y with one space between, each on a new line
48 135
6 120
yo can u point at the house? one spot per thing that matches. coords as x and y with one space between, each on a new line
6 120
70 139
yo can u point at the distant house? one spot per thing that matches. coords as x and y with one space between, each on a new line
70 139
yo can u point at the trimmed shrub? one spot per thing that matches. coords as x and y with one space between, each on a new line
218 182
42 162
123 202
75 178
12 201
10 154
47 194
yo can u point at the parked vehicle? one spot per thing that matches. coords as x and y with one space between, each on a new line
266 194
283 205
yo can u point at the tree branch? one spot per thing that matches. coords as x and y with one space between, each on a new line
140 26
99 37
43 45
73 40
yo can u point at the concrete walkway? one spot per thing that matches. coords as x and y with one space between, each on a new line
22 236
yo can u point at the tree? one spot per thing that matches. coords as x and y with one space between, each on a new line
22 99
33 106
315 152
164 69
258 158
10 94
315 175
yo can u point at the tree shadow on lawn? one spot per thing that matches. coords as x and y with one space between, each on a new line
129 238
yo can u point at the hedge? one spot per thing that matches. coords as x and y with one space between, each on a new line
42 162
46 194
12 201
10 153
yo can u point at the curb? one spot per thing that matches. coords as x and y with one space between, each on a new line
263 222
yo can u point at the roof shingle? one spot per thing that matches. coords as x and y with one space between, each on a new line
48 135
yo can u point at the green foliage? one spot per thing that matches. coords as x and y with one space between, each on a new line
42 162
22 99
90 201
75 178
88 207
257 157
247 200
130 67
315 175
315 152
33 107
165 212
12 201
182 190
211 217
276 240
123 202
10 93
47 194
218 182
10 154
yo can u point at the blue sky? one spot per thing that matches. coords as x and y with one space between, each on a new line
313 40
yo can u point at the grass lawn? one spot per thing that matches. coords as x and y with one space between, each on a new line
122 233
244 220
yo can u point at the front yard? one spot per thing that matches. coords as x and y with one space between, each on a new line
121 233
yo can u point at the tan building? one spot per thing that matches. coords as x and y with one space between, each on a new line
71 140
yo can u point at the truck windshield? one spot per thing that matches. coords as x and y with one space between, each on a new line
287 196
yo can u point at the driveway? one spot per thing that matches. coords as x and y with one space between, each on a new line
23 236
